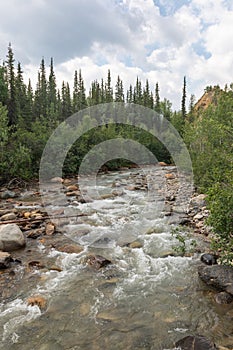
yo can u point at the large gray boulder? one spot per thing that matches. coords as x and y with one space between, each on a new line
219 277
11 237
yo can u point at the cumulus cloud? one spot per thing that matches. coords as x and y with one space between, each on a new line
159 40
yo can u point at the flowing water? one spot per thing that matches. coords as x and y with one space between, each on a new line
147 299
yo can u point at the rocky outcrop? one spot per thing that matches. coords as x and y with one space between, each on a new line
219 277
11 237
195 343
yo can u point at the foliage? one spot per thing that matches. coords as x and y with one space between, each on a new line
185 245
210 140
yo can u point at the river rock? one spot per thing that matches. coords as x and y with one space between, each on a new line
195 343
198 201
135 244
11 237
209 259
5 260
8 217
97 261
57 180
70 248
219 277
7 194
49 229
223 298
37 300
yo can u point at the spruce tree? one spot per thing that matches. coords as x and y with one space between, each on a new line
147 100
130 97
21 91
137 95
119 91
157 98
43 90
66 104
12 104
3 85
102 92
52 91
183 102
108 89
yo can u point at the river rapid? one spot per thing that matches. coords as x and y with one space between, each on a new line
147 298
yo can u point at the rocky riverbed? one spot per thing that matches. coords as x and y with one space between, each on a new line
29 238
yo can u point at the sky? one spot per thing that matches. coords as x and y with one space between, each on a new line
158 40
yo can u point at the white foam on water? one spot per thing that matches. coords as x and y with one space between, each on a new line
15 316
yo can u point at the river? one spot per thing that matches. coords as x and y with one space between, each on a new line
148 298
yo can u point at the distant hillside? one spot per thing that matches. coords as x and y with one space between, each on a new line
210 97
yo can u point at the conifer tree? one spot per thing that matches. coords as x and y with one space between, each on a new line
147 100
157 98
137 95
52 90
119 91
43 89
130 97
3 85
108 89
28 112
66 105
21 91
94 94
183 102
102 92
12 104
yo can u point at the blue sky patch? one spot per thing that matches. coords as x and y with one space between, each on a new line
169 7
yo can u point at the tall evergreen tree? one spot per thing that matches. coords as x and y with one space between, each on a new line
3 85
43 89
94 94
137 95
183 102
157 98
41 93
147 100
21 91
29 105
12 104
79 95
66 104
108 89
130 97
102 92
119 91
52 90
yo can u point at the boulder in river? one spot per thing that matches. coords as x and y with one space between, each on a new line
8 217
37 300
195 343
223 298
7 194
209 259
5 260
219 277
97 261
11 237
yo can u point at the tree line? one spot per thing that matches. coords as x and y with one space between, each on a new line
28 117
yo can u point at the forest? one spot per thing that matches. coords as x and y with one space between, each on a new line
28 117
